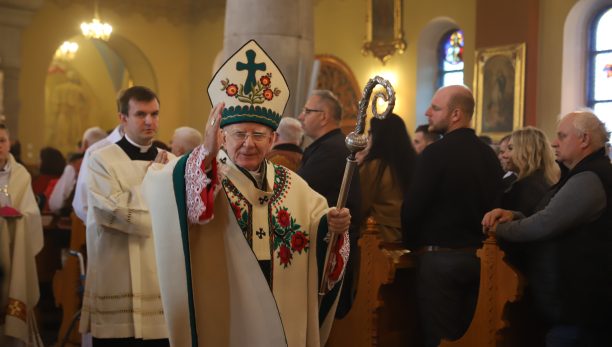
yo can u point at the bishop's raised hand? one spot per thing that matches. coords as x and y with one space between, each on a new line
212 136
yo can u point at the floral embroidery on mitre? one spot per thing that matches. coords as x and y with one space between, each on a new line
195 181
256 93
339 258
287 238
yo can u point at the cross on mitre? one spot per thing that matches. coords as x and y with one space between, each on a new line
251 67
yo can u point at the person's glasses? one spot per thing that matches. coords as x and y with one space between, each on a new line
307 111
241 136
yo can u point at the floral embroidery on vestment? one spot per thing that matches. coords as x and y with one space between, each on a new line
241 207
17 309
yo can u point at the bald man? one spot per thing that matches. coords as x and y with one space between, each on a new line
456 181
570 267
61 196
184 140
287 150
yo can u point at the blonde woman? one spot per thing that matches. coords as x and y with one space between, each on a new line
531 157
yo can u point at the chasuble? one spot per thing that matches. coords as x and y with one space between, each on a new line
239 265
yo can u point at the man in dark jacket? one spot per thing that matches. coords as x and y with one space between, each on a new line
456 181
571 273
323 166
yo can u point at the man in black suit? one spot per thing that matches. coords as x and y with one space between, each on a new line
457 180
323 166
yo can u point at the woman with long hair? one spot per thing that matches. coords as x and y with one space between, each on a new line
531 157
385 174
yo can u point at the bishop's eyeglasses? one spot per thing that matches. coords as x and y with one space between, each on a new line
241 136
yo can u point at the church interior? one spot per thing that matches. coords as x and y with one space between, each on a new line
55 83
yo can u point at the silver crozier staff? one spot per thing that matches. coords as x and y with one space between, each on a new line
356 141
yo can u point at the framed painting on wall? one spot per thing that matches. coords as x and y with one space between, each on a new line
385 35
499 88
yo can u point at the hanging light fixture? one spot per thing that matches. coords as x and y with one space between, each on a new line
66 51
96 29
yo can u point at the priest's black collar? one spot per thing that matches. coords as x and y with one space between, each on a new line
134 152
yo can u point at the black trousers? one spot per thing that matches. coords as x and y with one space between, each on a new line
447 292
128 342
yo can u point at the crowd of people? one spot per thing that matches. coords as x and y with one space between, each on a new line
200 242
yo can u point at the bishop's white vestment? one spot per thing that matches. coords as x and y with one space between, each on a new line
213 233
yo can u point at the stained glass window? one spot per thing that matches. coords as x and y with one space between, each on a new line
450 53
600 66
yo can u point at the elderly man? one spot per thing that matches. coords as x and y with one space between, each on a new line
287 150
456 181
244 266
184 140
122 304
64 188
570 274
323 167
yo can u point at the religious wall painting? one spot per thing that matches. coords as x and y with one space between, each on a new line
385 35
335 75
68 106
80 91
499 84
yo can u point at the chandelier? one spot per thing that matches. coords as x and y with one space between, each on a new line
96 29
66 51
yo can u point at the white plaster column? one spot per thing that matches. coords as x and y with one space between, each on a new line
284 28
15 15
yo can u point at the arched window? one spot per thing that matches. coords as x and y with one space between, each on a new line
599 89
450 58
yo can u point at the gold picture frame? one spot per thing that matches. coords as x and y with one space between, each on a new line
499 88
385 35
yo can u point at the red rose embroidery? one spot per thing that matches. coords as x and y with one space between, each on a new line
285 255
268 94
231 89
299 242
237 211
284 218
265 80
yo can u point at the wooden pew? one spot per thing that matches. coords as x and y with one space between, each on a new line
386 298
499 285
384 311
66 284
